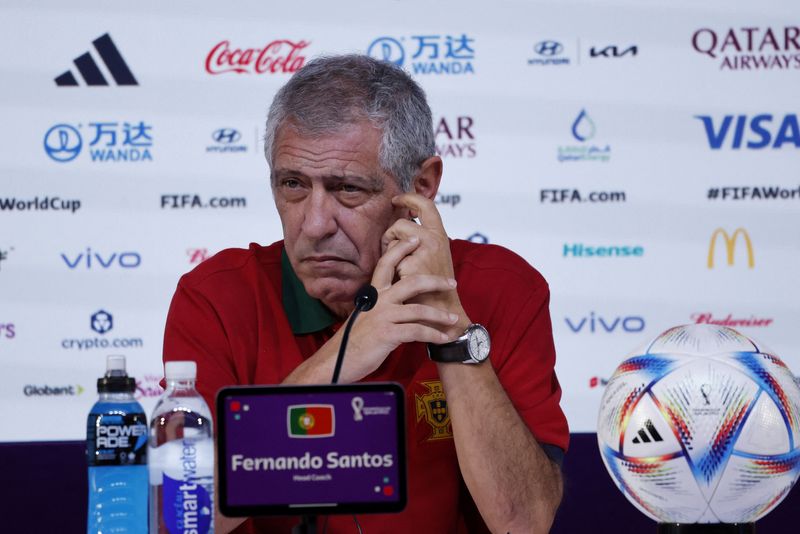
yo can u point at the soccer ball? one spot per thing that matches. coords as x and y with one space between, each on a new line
702 426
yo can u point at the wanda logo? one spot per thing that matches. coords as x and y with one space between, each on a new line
279 56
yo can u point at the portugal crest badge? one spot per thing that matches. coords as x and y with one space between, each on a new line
432 406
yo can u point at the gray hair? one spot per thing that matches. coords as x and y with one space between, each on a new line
331 92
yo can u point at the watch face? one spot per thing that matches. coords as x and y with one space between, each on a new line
479 343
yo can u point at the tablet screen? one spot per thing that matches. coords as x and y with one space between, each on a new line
311 449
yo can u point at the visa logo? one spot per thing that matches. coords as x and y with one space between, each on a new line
594 323
760 131
90 259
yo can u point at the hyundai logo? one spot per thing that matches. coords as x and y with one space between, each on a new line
226 136
62 143
387 49
548 48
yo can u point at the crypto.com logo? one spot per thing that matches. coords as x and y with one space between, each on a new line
102 322
730 246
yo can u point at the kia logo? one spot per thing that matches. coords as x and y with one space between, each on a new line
548 48
226 136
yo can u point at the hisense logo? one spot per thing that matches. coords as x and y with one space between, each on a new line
579 250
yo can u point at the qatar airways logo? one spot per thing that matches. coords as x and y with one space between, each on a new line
750 47
280 56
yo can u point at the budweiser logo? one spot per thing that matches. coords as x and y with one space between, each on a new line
729 320
281 55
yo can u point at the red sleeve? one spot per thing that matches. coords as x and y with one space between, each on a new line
195 332
526 367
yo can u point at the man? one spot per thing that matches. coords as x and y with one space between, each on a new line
350 146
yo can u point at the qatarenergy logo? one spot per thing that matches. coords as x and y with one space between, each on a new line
40 204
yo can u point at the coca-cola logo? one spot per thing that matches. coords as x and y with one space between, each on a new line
279 56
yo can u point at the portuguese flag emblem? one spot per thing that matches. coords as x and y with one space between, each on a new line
310 421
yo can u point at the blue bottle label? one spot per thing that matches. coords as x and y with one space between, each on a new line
187 507
117 439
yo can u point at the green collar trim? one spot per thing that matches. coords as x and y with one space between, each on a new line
305 314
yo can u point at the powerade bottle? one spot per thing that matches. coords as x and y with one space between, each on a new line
116 439
181 453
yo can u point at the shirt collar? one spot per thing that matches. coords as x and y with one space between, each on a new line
305 314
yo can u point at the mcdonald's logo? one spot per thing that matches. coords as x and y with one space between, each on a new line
730 246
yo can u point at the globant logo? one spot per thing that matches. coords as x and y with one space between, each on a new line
226 141
583 130
40 204
455 138
596 324
90 259
756 132
32 390
101 322
111 142
280 56
427 54
730 321
548 53
7 331
579 250
751 47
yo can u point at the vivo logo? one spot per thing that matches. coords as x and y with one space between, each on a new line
757 132
91 259
594 323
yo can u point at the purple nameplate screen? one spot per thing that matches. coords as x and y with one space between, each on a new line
311 449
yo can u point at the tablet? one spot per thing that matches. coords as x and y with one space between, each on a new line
304 450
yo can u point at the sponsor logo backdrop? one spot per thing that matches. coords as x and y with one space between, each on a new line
646 164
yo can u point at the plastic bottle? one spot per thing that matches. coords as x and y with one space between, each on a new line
181 451
116 439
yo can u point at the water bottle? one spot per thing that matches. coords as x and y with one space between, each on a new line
116 449
181 454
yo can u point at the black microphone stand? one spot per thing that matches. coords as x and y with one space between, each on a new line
365 299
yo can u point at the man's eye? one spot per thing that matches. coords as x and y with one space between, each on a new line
349 188
291 183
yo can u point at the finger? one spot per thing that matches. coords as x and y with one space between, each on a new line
409 333
417 284
401 229
422 313
384 270
424 207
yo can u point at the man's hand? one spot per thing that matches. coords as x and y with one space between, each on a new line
431 257
397 318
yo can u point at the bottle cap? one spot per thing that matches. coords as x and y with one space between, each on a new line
116 379
180 370
115 365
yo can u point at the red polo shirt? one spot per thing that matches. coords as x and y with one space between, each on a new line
245 318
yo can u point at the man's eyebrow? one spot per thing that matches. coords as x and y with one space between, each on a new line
373 183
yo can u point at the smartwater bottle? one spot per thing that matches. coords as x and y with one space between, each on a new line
116 449
181 454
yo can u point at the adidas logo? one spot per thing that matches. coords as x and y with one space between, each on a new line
643 433
91 73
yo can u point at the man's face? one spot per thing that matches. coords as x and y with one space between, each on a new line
335 204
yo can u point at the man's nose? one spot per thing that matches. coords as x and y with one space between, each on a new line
319 219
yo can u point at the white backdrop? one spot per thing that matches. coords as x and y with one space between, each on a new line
534 101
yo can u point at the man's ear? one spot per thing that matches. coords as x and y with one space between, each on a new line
426 183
